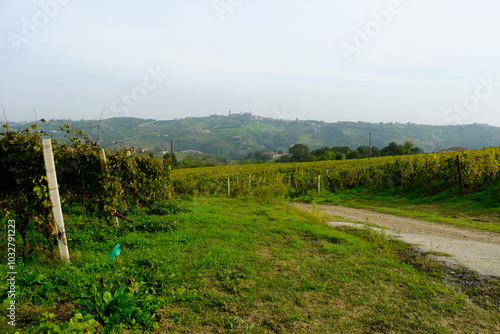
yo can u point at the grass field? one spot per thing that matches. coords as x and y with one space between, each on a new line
221 265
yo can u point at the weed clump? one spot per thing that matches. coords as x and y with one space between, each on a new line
171 207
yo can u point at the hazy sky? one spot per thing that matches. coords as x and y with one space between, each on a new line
420 61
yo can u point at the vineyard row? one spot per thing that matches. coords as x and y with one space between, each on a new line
127 181
468 169
139 180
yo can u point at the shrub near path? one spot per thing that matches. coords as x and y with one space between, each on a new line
229 265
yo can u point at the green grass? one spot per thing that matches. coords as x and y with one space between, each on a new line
306 139
475 210
237 266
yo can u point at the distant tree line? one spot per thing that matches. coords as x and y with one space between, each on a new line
302 153
299 153
200 160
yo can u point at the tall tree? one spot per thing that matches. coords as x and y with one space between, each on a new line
299 153
408 146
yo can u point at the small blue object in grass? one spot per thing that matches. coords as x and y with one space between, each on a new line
114 252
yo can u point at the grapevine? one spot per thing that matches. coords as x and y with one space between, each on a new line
131 180
439 171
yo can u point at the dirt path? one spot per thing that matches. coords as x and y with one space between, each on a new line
476 250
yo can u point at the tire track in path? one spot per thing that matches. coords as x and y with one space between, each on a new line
476 250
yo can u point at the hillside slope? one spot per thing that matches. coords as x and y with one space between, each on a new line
240 134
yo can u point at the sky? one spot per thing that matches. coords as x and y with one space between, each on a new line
417 61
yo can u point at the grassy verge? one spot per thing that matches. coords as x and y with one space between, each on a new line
478 210
235 266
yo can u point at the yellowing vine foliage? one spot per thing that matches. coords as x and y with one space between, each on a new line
135 180
436 171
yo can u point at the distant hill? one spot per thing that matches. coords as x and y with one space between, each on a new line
240 134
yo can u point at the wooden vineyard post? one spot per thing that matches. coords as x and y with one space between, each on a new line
104 169
228 186
319 184
460 175
102 160
289 180
50 167
249 181
129 162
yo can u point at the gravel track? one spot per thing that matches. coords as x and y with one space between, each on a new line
476 250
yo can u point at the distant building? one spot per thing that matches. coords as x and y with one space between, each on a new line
451 149
192 152
274 155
